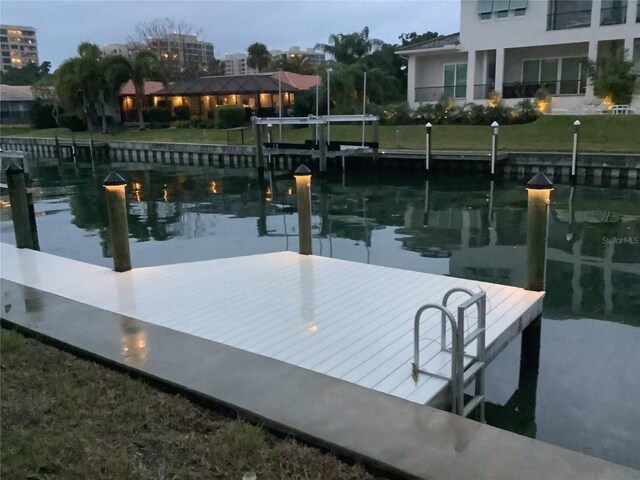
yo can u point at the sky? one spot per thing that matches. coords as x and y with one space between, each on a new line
230 25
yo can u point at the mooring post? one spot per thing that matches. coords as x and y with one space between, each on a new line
58 156
427 146
259 152
495 126
303 192
375 140
115 185
574 154
74 153
17 185
322 148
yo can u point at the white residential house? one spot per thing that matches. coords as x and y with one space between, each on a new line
517 46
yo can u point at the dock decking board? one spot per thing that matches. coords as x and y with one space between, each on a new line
347 320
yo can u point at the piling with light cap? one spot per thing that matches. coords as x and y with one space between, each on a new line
115 186
495 126
17 185
427 146
322 147
539 194
259 151
574 153
303 191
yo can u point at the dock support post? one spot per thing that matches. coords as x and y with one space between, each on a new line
375 141
22 226
495 126
427 147
574 153
322 148
303 192
259 152
117 206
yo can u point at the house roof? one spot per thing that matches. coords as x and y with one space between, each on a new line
15 93
297 80
227 84
438 42
149 88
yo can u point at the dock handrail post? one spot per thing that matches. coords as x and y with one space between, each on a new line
495 127
303 193
574 153
427 146
322 148
17 185
115 185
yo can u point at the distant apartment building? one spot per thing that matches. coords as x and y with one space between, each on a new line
182 48
236 64
314 58
116 49
18 46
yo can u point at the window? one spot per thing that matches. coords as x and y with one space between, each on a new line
573 76
638 12
564 14
501 8
455 80
613 12
564 76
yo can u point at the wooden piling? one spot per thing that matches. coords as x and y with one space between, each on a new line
117 206
16 183
303 192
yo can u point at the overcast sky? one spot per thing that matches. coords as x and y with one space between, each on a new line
230 25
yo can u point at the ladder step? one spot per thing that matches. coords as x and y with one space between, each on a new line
470 373
470 407
473 335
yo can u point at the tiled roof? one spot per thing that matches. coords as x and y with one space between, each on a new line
15 93
441 41
301 82
149 88
227 84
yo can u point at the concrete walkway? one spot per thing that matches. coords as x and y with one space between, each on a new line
401 437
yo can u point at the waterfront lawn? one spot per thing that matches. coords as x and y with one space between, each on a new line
598 133
63 417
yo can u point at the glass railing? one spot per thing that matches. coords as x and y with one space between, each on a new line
613 15
566 20
435 94
482 91
528 90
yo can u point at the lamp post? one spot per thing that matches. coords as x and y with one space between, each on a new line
329 70
495 126
303 193
115 185
280 105
317 104
574 154
427 148
364 104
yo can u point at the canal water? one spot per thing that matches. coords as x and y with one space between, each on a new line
585 396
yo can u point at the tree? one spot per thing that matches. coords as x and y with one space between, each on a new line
296 64
350 47
413 38
259 57
612 78
27 75
118 69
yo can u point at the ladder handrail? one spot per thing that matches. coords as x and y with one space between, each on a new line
443 323
416 344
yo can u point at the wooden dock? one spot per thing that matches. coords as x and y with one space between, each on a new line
347 320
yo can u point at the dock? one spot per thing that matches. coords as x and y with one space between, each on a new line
312 318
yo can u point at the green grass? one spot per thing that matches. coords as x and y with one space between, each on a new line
63 417
615 134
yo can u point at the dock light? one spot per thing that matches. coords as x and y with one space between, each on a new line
574 152
115 186
303 191
495 126
427 148
539 197
269 126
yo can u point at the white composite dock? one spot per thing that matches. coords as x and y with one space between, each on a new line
347 320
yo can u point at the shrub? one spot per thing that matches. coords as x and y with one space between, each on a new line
182 124
230 116
525 111
42 115
424 113
72 122
542 99
182 112
397 113
156 115
499 113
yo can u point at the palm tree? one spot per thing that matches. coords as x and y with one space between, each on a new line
143 66
350 47
259 57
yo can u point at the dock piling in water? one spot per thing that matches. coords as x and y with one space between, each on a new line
22 225
303 193
117 204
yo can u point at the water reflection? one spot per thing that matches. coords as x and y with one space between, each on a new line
134 342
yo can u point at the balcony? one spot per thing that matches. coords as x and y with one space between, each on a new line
435 94
528 90
482 91
613 15
567 20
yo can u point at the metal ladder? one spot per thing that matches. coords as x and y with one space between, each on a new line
460 376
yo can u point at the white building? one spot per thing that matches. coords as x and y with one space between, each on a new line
116 49
18 46
517 46
236 64
313 57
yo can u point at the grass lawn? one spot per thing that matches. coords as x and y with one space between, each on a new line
63 417
615 134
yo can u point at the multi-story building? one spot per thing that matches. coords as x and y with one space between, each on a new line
18 46
516 47
183 48
313 57
116 49
236 64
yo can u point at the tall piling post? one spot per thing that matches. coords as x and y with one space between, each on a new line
57 147
574 152
375 140
495 126
17 185
303 193
117 205
322 148
259 148
427 147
